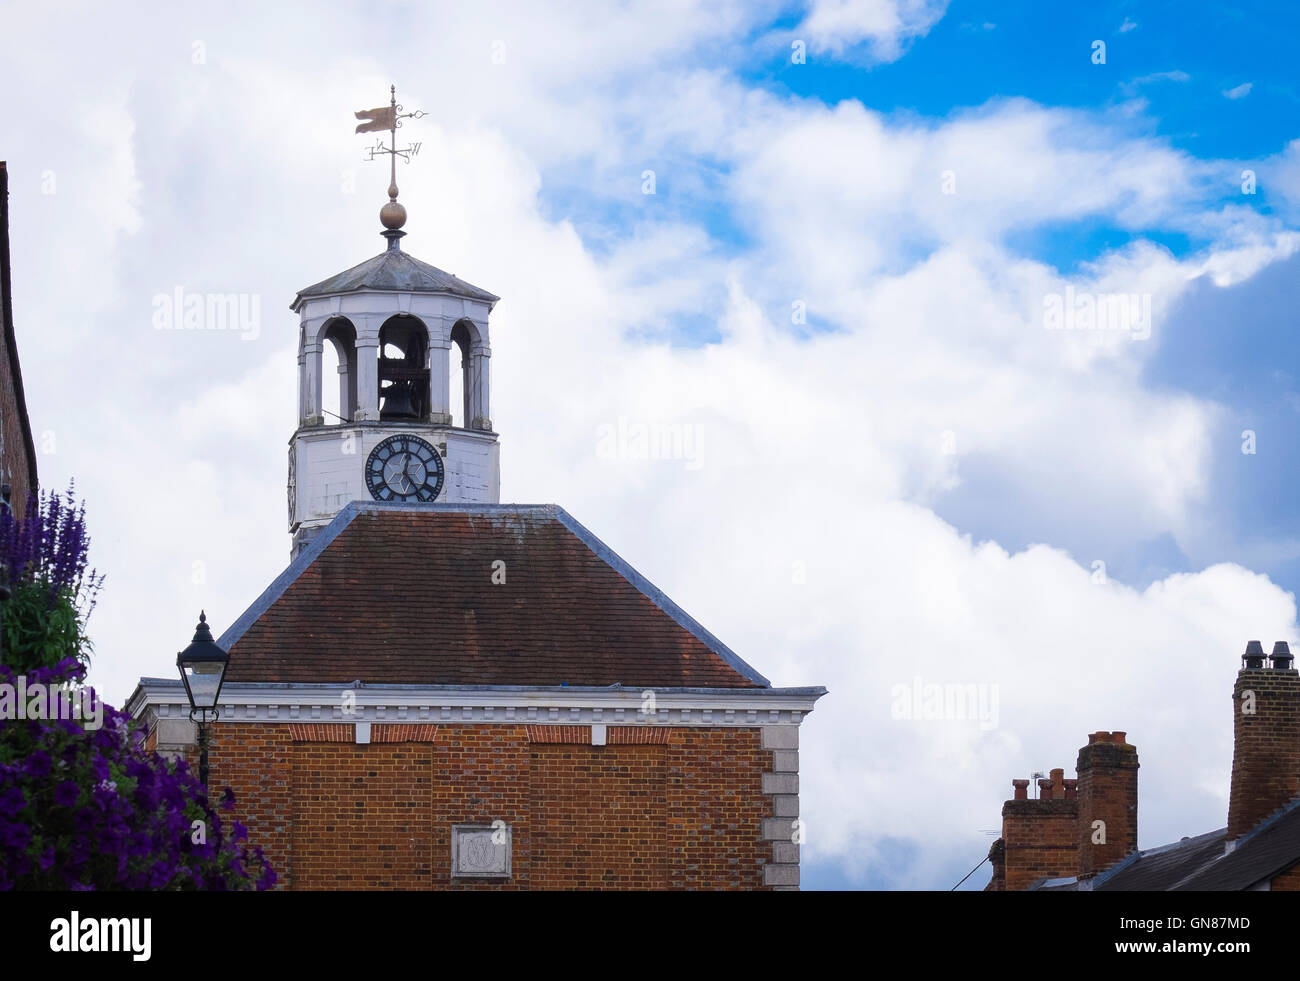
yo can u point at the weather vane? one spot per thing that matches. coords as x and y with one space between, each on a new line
392 215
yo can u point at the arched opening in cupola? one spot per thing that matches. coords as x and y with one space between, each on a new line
403 370
338 372
458 388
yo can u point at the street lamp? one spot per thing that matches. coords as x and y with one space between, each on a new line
203 666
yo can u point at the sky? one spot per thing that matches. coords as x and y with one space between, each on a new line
850 246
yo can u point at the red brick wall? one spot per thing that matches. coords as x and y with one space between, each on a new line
1288 881
1040 839
481 774
1266 748
17 465
257 763
716 809
598 816
668 808
360 816
1108 792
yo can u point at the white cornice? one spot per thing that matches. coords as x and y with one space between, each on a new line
247 702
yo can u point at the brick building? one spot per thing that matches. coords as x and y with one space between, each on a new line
1081 834
17 451
445 692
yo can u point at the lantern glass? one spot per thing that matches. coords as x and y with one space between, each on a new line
203 680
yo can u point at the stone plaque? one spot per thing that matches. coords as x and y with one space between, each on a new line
480 851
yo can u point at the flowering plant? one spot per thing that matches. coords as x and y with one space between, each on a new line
88 809
43 557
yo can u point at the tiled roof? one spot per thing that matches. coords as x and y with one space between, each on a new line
396 271
1158 869
404 594
1273 847
1200 864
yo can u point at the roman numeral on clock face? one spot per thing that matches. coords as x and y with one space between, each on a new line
404 468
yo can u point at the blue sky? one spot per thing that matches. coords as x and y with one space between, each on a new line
947 472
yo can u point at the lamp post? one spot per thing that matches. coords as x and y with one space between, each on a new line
203 666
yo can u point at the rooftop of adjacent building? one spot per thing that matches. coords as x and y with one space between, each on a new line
1203 863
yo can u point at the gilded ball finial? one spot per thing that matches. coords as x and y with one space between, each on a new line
392 216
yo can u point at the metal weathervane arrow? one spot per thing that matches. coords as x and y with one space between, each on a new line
389 117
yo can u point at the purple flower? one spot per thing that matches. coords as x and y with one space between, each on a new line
14 837
12 801
53 836
37 765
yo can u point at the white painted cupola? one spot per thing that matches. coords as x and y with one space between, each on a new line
394 323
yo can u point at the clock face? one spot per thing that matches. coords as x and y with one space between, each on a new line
293 480
404 468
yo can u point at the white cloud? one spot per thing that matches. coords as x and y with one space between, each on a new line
821 446
1130 88
882 27
1240 91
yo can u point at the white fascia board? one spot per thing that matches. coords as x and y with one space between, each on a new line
566 706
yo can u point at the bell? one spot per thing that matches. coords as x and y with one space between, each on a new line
397 403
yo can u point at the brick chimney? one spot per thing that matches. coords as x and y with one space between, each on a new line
1266 737
1039 837
1107 793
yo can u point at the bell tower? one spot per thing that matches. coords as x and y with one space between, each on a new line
399 327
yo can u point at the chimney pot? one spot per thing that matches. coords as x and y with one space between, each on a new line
1119 737
1071 789
1058 783
1022 789
1045 789
1281 659
1253 659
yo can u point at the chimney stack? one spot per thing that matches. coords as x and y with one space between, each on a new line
1038 834
1266 737
1107 792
